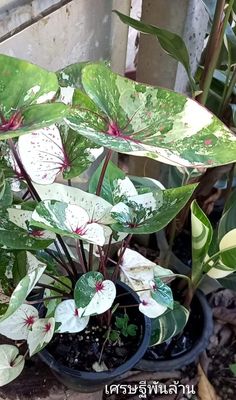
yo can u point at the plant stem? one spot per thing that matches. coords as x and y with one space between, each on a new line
229 91
55 289
80 255
37 197
104 344
102 175
46 298
214 47
59 261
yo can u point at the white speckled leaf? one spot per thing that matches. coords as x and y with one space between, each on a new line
18 325
67 220
97 208
69 317
42 154
11 363
40 335
148 121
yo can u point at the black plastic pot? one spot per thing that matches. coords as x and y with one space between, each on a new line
88 382
202 322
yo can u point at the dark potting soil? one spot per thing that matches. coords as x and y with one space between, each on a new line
81 350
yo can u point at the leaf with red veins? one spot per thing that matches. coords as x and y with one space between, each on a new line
40 335
19 324
12 124
70 317
43 155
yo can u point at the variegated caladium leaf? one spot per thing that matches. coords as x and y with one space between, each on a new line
80 152
150 212
24 287
169 324
97 208
149 307
67 220
70 317
94 294
40 335
201 239
11 363
24 87
22 219
132 118
18 325
13 236
70 76
162 293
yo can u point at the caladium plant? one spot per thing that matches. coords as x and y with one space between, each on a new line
52 128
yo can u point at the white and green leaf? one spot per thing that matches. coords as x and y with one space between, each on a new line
70 317
40 335
11 363
19 324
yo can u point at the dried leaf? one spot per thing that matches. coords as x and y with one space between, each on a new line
205 390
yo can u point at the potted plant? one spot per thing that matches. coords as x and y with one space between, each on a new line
59 280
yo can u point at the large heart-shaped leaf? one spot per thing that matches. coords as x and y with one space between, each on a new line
147 121
172 43
18 325
40 335
97 208
24 287
169 324
70 317
150 212
201 238
11 363
68 220
94 294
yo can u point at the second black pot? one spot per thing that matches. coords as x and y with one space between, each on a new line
94 381
201 324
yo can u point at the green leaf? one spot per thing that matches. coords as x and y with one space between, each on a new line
85 288
94 294
80 151
132 330
202 233
233 368
52 304
71 75
6 195
228 282
172 43
36 117
227 247
19 267
11 363
169 324
162 293
24 287
137 218
112 174
228 220
141 120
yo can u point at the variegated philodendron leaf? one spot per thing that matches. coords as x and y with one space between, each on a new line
16 236
70 317
40 335
19 324
23 88
97 208
150 212
24 287
132 118
169 324
68 220
94 294
11 363
201 239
